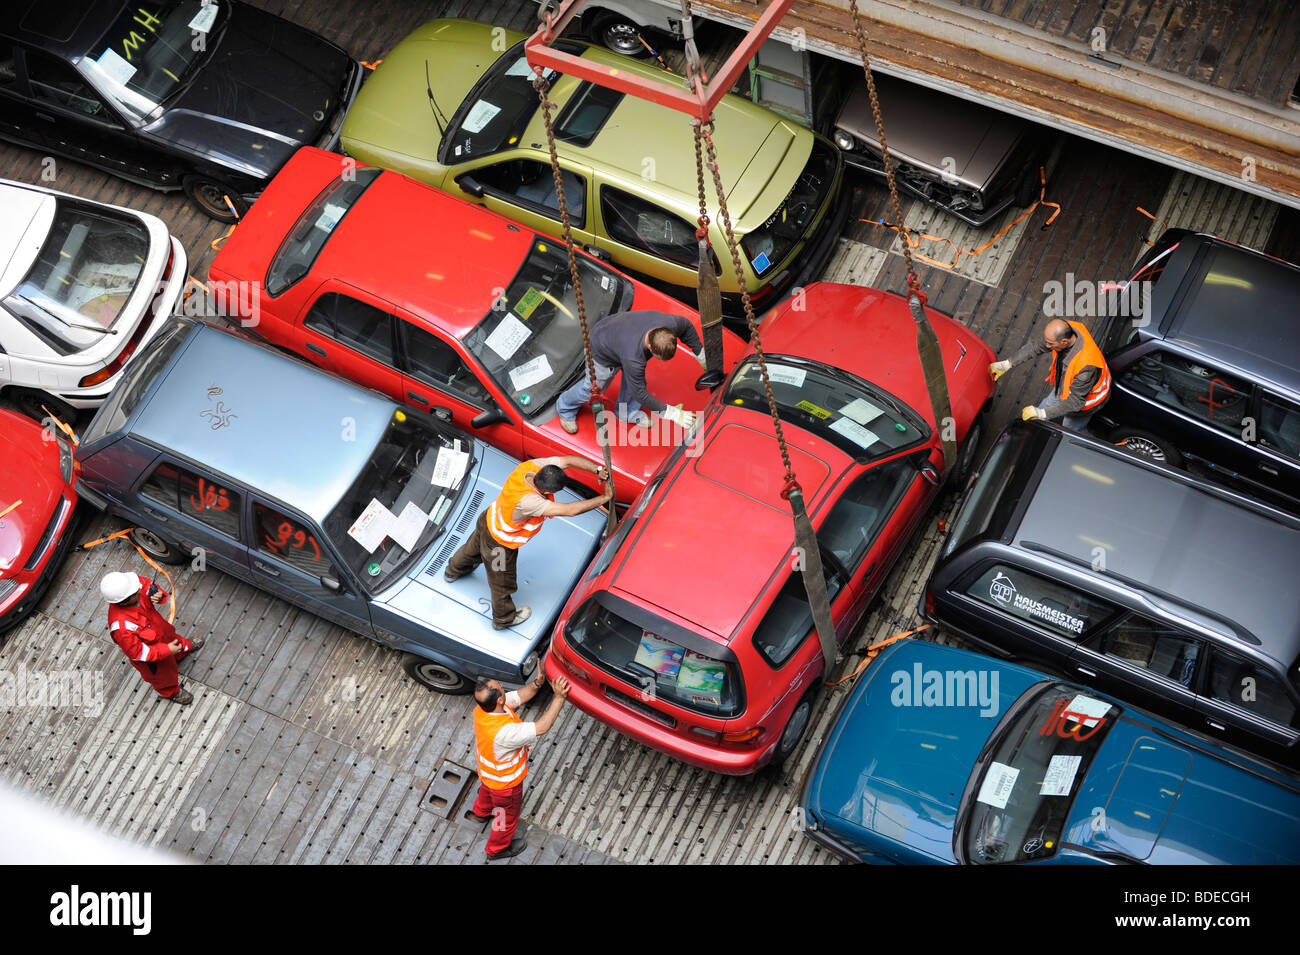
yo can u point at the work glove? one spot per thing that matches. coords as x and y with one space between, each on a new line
999 368
684 418
1030 412
704 362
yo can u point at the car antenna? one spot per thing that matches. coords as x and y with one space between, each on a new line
438 116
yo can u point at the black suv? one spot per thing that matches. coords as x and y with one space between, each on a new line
209 97
1209 375
1145 583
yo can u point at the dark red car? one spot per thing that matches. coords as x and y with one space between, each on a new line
691 632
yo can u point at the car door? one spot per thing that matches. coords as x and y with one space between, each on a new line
647 239
436 374
291 558
522 187
1249 705
350 332
1277 444
1145 661
17 117
195 509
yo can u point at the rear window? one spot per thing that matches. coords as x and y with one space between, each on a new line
1047 603
314 227
140 374
662 667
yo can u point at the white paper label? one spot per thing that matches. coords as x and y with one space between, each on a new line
520 67
604 282
479 115
408 527
786 375
997 785
530 373
854 432
204 19
115 67
330 216
449 467
506 338
1059 779
372 526
861 411
1090 707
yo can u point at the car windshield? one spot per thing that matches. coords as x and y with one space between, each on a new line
861 419
145 56
1020 794
399 503
84 274
531 341
497 110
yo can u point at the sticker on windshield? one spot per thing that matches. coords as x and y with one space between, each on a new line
816 411
530 373
786 375
520 67
1059 779
408 527
528 303
997 785
506 338
761 262
861 410
372 526
1089 707
204 19
604 283
479 115
115 67
854 432
449 467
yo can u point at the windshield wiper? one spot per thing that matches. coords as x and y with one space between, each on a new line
53 314
439 116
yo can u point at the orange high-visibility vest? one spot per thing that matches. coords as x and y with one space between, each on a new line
497 773
502 511
1089 354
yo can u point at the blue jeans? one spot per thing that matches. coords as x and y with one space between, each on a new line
579 393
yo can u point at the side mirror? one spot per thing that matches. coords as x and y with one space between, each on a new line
710 380
442 414
330 583
470 185
489 417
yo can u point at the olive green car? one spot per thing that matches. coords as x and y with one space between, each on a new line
453 105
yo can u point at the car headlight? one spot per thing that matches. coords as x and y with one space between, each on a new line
845 141
65 461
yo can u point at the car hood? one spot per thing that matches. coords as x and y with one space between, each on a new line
269 87
893 770
32 481
548 569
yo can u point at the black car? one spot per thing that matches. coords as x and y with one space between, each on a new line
1207 373
1140 580
209 96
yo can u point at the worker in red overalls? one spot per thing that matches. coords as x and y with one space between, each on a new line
148 640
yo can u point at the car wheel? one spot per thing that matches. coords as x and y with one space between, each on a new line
156 547
209 195
618 34
796 728
1146 445
435 676
966 456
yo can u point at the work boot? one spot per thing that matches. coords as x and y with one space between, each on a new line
517 845
182 696
195 645
570 425
448 576
521 614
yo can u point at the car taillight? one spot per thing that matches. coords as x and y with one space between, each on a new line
114 366
568 664
929 604
744 736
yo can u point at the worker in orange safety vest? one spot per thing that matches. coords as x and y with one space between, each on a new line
526 500
149 641
501 739
1078 366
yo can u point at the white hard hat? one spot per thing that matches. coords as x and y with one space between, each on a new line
119 585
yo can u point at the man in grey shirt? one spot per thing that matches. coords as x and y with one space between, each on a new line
1078 367
627 341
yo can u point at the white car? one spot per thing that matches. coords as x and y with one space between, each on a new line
83 287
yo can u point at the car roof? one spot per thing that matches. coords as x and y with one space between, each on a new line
1240 308
1174 539
49 26
295 433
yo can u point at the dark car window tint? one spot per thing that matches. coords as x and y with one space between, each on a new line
195 496
57 84
1279 425
140 374
1247 686
1042 602
533 184
1161 649
646 227
1205 393
8 72
585 113
860 514
314 227
434 362
363 327
289 540
789 620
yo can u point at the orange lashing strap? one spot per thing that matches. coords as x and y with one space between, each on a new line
171 615
875 648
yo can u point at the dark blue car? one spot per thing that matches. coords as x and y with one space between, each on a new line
941 755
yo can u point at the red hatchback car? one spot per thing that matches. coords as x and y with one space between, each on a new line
37 505
442 304
691 632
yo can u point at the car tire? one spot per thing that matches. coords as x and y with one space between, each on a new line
965 462
617 33
157 548
435 676
206 193
1029 187
794 731
1143 444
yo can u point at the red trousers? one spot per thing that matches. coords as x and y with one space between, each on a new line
504 806
163 674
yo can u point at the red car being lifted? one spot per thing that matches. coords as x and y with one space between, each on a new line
444 305
691 632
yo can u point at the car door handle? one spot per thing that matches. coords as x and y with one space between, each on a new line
152 513
870 570
266 569
1268 469
316 348
420 398
45 116
1218 726
1086 672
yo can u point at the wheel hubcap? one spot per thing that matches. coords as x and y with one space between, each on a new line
438 676
794 729
1146 448
150 541
622 37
